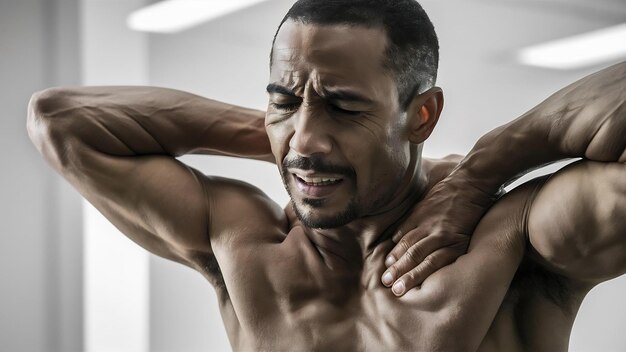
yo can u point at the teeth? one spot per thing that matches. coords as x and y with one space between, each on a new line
319 180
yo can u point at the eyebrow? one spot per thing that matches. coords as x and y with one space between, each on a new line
276 88
332 95
345 95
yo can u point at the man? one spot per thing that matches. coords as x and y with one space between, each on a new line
352 100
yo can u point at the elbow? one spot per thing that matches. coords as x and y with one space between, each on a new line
46 102
35 121
42 104
43 125
37 124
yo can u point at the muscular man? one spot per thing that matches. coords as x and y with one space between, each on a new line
351 102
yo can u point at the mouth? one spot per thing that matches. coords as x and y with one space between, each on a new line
318 181
317 186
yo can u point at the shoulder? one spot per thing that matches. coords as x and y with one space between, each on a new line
464 297
240 218
238 208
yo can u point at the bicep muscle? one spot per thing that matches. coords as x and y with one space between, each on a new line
577 223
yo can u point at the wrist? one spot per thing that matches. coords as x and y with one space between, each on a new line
512 150
483 168
236 132
470 185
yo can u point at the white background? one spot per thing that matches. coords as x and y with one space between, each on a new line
63 288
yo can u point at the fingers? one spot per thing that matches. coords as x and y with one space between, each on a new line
423 270
410 256
403 245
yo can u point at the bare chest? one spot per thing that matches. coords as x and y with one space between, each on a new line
365 321
286 299
294 302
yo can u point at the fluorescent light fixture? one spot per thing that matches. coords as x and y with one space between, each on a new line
578 51
172 16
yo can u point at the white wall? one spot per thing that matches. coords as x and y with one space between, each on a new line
40 219
116 269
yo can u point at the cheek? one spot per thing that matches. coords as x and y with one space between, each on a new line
375 153
392 163
397 143
399 155
278 136
389 165
381 166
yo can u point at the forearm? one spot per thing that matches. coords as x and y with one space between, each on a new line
131 121
586 119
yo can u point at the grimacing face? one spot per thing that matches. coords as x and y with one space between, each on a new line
334 122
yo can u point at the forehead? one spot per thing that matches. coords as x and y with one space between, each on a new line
334 52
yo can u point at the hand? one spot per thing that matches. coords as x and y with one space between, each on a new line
436 233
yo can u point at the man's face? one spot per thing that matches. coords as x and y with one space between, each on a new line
334 122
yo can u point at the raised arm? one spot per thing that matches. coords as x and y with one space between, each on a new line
586 119
117 146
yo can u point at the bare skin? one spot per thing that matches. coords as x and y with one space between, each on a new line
286 285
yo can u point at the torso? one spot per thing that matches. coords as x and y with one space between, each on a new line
275 311
277 293
299 304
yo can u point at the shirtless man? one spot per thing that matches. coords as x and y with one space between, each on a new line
352 100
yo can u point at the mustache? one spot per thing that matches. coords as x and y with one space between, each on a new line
317 165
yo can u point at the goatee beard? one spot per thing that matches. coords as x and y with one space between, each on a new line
317 165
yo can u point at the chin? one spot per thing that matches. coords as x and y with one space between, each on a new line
314 215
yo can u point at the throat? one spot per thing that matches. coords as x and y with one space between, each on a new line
345 265
348 248
338 251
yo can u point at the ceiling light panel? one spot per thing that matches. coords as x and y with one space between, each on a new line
171 16
579 51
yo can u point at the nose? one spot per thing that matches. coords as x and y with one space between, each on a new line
311 134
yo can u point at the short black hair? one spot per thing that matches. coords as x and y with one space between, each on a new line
412 55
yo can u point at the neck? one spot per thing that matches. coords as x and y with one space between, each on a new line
349 246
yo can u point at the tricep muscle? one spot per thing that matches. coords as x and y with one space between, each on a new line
155 200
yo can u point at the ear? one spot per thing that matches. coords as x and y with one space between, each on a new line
423 113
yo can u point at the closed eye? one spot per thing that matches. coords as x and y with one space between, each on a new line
343 111
291 107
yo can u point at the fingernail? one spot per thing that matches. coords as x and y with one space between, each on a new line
390 260
398 287
387 278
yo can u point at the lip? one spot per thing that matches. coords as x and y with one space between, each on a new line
317 191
